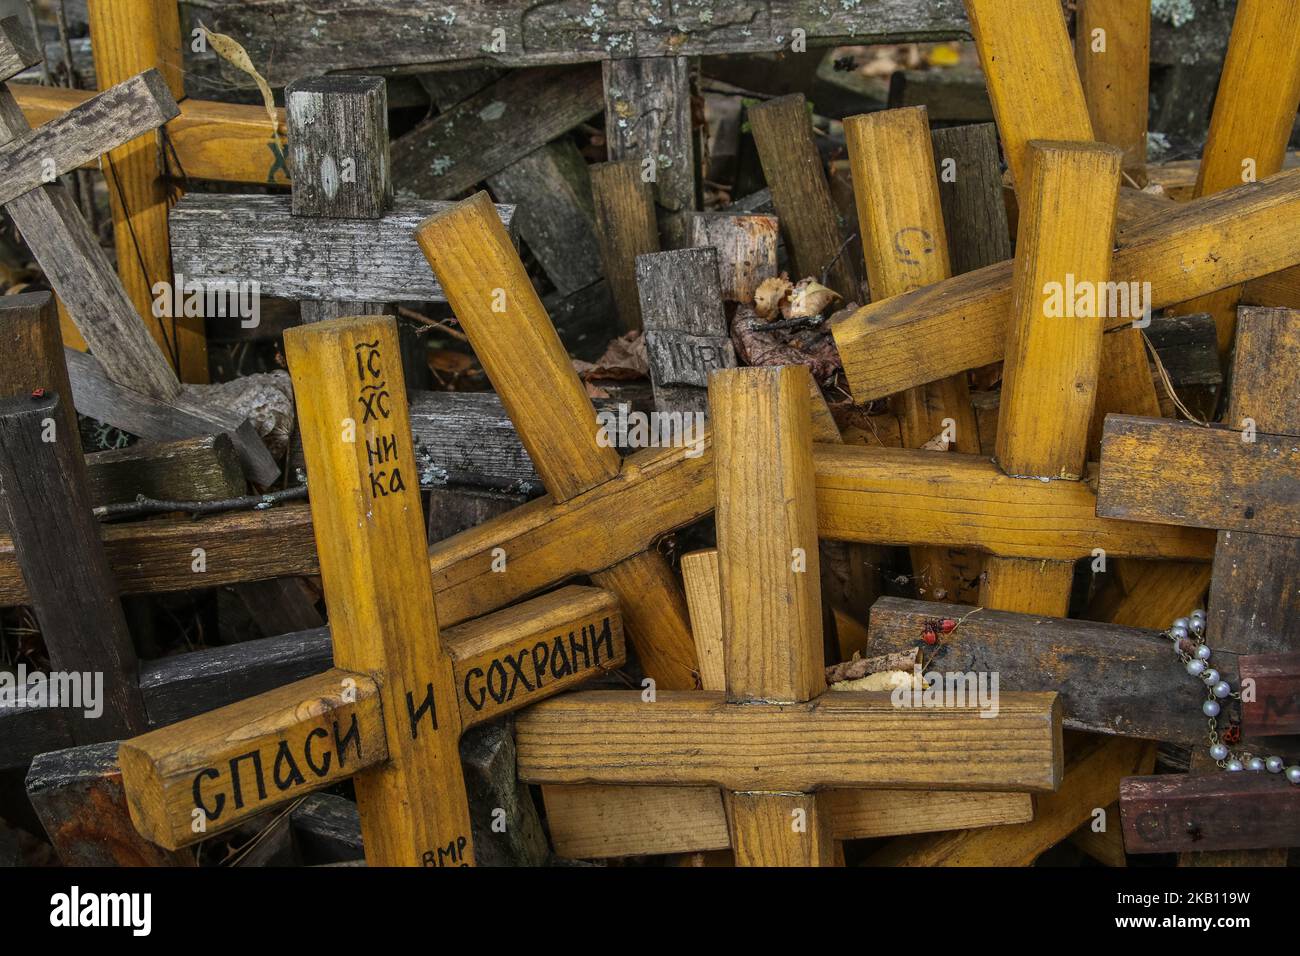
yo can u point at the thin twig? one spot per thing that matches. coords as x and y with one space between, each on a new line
1167 382
836 258
144 505
429 324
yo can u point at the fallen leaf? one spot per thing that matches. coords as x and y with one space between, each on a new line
625 358
808 298
755 345
770 294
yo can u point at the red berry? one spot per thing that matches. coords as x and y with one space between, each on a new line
38 393
948 625
930 637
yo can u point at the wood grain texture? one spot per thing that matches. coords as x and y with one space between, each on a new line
1114 67
133 36
768 559
1209 811
338 147
698 739
1263 475
686 331
1092 780
390 32
204 776
970 192
191 469
746 247
96 395
962 323
1112 679
224 238
71 258
625 229
451 152
77 794
793 169
702 584
900 220
1254 109
58 547
780 829
1032 81
1275 709
18 49
369 531
1053 351
648 116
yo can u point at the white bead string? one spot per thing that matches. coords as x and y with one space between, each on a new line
1188 635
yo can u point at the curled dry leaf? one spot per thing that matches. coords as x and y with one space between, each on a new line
770 294
757 346
882 680
625 358
808 298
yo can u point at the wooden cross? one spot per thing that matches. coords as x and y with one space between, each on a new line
391 711
1242 479
128 361
774 738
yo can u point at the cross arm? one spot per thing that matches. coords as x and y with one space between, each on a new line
962 323
18 49
1164 472
1274 707
115 116
205 775
698 739
1170 813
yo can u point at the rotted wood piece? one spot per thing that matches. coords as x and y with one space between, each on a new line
1275 705
1173 813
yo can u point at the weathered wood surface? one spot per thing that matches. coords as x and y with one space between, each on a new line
389 32
648 117
190 469
626 228
451 152
222 238
746 245
969 170
61 242
96 395
685 326
698 739
19 49
1112 679
1172 813
338 147
949 95
58 546
77 794
1158 471
1199 246
1275 708
793 170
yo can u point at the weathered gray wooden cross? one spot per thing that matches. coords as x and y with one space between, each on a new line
1243 480
392 710
129 382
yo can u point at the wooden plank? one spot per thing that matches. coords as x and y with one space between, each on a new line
58 547
1034 87
685 326
956 95
191 469
164 420
228 142
1275 706
793 169
746 246
1262 476
71 258
381 607
698 739
1254 110
131 37
18 49
648 117
961 323
208 774
1170 813
451 152
1112 679
339 147
556 421
1092 780
78 796
625 230
513 34
900 219
361 260
970 191
1112 51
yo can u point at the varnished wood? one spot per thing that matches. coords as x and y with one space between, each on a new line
1114 67
625 229
1209 811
